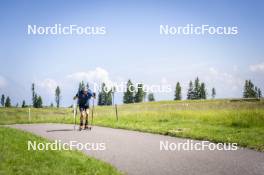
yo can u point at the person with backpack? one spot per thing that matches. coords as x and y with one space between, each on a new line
83 97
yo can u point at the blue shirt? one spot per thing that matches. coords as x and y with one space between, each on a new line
83 99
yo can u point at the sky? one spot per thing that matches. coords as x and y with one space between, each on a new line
132 47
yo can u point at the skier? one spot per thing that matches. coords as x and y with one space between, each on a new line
84 96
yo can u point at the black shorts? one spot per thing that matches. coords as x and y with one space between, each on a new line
83 108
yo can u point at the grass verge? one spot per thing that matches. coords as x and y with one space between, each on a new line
16 159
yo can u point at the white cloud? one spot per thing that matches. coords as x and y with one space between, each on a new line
213 71
257 67
98 75
3 82
164 80
223 78
48 84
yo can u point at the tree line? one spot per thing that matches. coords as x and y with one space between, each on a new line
251 91
132 94
36 99
5 101
136 94
196 90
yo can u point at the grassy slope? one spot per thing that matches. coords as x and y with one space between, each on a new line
16 159
217 121
214 120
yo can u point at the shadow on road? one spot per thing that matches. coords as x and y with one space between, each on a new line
57 130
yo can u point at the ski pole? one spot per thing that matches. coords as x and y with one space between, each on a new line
74 114
92 112
116 112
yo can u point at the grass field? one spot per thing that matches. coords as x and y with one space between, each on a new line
215 120
16 159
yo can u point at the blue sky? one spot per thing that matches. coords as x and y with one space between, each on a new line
132 47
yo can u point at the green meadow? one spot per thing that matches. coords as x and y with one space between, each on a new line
236 121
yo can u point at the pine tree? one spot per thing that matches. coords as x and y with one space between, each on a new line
102 95
109 97
105 96
256 91
139 94
36 100
99 99
81 86
259 93
190 93
39 102
197 89
202 91
213 93
35 105
129 94
23 104
178 95
250 90
3 100
57 96
245 92
8 102
151 97
34 96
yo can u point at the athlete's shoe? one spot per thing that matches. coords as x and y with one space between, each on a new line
87 127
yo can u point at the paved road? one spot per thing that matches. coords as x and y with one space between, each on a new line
137 153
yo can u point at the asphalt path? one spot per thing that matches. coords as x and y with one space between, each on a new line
138 153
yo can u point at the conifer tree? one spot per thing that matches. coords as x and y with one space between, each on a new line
105 96
202 90
8 102
213 93
178 95
190 93
129 93
3 100
250 90
151 97
57 96
197 89
23 104
139 94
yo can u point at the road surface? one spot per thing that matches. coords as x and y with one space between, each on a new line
137 153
